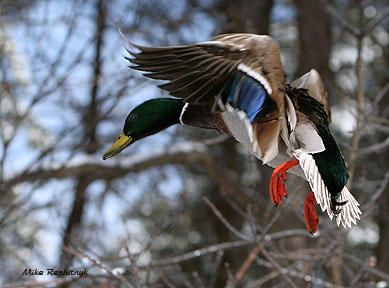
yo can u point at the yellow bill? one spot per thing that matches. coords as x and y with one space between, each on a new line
122 142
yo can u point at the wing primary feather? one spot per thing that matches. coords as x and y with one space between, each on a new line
161 60
210 87
191 85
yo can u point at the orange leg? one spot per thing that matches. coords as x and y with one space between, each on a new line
277 182
310 215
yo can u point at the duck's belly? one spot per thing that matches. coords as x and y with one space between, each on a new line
282 157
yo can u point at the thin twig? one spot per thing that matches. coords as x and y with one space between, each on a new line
199 282
381 94
81 255
247 263
367 207
340 19
374 271
200 252
264 279
359 274
277 266
220 216
133 266
375 148
231 282
377 20
360 111
52 283
166 281
218 259
293 273
224 246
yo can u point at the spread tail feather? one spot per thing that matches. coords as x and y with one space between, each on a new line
350 211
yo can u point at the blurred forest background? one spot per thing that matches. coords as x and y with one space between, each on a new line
141 219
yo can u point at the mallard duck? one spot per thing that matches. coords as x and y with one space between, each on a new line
235 84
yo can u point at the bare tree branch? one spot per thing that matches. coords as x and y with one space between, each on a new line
360 111
219 215
376 21
340 19
375 148
81 255
184 153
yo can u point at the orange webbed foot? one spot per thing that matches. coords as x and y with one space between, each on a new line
277 188
277 182
310 215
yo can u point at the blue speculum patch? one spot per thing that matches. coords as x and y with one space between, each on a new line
245 93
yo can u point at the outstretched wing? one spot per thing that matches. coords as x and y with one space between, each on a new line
198 72
241 70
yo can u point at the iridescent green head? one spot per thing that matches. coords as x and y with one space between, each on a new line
147 119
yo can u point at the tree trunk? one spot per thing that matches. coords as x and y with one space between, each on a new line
314 44
382 249
241 17
89 142
314 28
246 16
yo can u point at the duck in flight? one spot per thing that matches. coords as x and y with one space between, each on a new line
235 84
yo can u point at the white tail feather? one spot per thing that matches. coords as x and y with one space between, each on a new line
349 212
